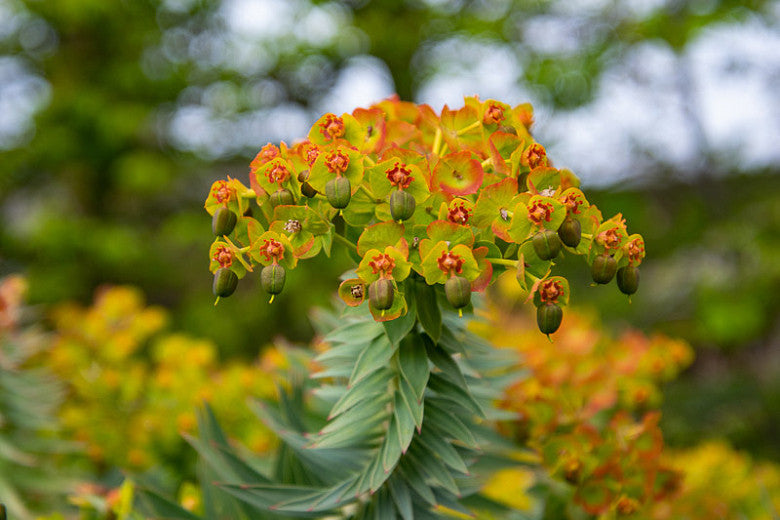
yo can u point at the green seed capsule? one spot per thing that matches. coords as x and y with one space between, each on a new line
223 222
458 291
628 279
547 244
603 269
548 317
402 205
338 191
381 294
225 282
272 278
281 197
570 232
307 190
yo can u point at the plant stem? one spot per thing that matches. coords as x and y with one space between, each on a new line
502 261
472 126
436 141
344 241
368 192
248 194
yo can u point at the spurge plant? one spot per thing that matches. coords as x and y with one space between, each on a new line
432 207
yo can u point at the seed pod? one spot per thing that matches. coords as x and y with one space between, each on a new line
570 232
548 317
628 279
272 278
603 268
402 205
307 190
225 282
458 291
281 197
547 244
381 294
338 191
223 222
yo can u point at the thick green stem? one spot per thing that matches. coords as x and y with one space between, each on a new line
344 241
502 261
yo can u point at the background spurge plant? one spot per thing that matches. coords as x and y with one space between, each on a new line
432 208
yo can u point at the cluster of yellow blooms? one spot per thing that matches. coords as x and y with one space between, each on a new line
123 373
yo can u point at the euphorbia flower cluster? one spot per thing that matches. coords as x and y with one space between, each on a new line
452 199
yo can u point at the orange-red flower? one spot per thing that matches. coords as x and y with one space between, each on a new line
550 291
493 114
332 127
278 174
534 156
400 175
222 192
459 214
609 238
337 162
635 250
540 211
383 265
223 256
272 250
450 263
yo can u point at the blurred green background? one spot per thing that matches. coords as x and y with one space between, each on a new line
115 117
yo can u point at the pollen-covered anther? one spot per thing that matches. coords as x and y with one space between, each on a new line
272 250
337 162
635 250
450 263
268 153
550 291
540 211
459 214
310 154
292 226
222 192
609 238
278 174
572 202
332 127
223 256
382 264
534 156
400 175
493 114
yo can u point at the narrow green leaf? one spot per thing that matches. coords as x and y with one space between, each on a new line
368 388
398 328
412 475
161 507
448 424
452 392
428 311
362 412
374 356
413 361
404 421
359 433
446 364
401 496
384 506
391 448
377 473
363 329
433 467
267 497
410 400
439 447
